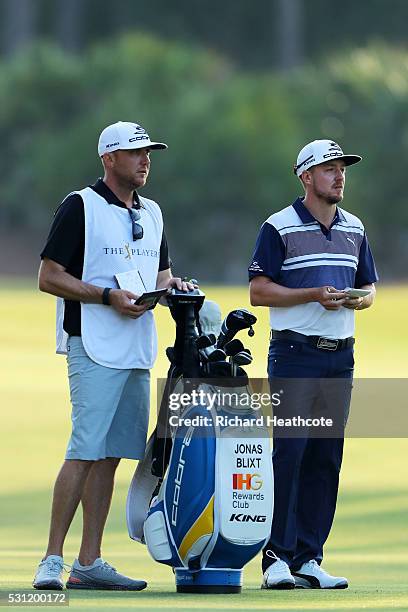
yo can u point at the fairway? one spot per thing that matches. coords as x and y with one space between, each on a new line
369 541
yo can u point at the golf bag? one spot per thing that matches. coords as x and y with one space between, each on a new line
202 499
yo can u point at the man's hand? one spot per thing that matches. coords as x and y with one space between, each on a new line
122 301
166 281
180 284
361 303
330 298
353 303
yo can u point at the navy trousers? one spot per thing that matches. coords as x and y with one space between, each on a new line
306 469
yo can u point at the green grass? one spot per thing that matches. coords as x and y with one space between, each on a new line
368 543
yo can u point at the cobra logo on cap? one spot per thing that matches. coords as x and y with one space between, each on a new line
139 129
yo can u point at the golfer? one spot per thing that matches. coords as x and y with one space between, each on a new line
305 256
99 233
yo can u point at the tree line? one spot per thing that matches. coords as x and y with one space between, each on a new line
263 34
233 138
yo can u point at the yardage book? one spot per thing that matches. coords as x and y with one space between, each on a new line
131 281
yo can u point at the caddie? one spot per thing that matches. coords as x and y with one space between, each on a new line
99 233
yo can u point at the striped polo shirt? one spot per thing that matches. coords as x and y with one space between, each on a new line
295 250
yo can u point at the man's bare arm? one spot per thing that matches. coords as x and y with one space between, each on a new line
265 292
53 278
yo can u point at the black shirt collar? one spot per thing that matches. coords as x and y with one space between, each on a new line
307 217
107 194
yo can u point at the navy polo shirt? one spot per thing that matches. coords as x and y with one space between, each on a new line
297 251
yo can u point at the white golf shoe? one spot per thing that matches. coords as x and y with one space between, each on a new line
49 574
278 576
311 576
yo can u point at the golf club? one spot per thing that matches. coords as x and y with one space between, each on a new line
233 323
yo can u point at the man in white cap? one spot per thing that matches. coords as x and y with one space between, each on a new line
102 238
307 258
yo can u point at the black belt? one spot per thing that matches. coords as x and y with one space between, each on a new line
319 342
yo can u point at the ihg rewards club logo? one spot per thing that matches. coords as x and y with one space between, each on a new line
246 486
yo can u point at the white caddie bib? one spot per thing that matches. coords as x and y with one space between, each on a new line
109 338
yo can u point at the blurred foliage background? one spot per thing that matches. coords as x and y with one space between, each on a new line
234 88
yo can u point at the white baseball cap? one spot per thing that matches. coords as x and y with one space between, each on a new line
125 135
320 151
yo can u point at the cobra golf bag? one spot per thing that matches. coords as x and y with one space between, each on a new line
202 498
